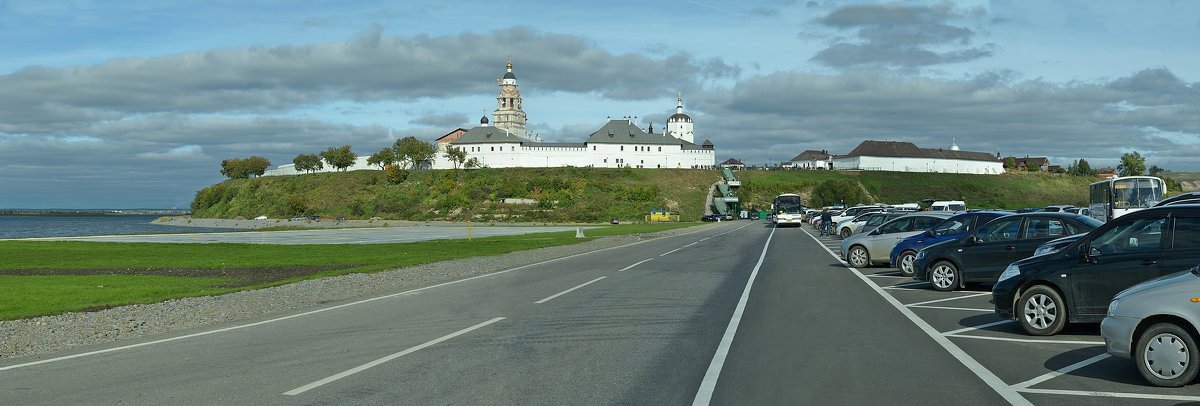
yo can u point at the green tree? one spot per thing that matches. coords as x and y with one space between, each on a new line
1010 163
456 155
233 168
339 157
383 158
414 153
473 163
1132 164
837 191
1082 168
308 162
255 165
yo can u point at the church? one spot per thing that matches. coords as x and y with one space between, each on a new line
504 142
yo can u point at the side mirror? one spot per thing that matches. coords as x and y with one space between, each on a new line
972 239
1093 255
930 233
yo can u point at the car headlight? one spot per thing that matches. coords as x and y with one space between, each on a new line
1011 271
1112 307
1045 249
921 254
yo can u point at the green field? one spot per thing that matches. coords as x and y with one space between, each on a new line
51 277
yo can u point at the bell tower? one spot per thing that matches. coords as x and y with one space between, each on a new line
679 125
508 115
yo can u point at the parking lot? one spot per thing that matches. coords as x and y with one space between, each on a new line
1069 368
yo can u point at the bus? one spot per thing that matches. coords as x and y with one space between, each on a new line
1116 196
787 209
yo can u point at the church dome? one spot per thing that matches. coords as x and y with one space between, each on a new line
483 120
510 75
679 117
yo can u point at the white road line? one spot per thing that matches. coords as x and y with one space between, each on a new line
636 264
889 276
1027 340
979 327
669 252
1061 371
569 290
364 367
953 308
984 374
709 384
1111 394
259 323
903 285
949 299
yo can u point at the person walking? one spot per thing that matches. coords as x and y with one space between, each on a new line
826 219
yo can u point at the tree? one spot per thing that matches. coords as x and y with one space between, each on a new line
1082 168
414 153
456 155
308 162
256 165
233 168
1010 163
1132 164
472 163
383 158
339 157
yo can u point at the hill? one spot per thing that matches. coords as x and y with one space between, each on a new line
593 194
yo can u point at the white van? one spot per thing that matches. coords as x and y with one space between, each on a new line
948 205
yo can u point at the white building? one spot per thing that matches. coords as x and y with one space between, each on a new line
809 159
504 142
906 157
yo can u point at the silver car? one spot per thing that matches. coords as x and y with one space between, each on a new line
1154 323
864 249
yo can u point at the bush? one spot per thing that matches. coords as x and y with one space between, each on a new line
396 175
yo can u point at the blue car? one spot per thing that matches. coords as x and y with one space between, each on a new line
905 252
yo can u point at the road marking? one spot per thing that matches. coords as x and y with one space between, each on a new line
889 276
259 323
948 299
636 264
893 273
953 308
1111 394
569 290
364 367
709 384
979 327
997 384
902 285
1026 340
1061 371
670 252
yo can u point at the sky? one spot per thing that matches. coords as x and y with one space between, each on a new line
134 104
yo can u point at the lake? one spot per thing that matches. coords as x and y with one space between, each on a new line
70 226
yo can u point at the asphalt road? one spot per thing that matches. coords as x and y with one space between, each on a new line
647 323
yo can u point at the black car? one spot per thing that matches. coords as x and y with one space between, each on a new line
1077 283
710 217
981 255
1185 198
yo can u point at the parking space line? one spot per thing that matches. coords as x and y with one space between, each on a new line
893 273
569 290
888 276
987 376
1111 394
948 299
1026 340
952 308
979 327
1061 371
371 364
906 286
636 264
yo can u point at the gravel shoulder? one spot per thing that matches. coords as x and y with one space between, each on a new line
43 335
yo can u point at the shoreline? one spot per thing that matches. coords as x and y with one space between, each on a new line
251 224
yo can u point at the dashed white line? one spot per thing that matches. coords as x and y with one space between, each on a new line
979 327
636 264
569 290
1111 394
1061 371
709 384
1026 340
966 309
364 367
948 299
984 374
669 252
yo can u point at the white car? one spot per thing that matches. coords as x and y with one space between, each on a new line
847 228
862 250
854 212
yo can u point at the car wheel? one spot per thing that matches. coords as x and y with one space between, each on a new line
1166 355
845 233
1042 311
944 276
905 263
858 257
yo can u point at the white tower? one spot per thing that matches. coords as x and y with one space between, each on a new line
679 125
508 115
954 144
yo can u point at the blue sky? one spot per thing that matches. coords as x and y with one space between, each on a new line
135 103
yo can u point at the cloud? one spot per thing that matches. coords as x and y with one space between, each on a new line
900 36
442 120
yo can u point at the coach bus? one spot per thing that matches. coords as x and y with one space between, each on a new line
1116 196
787 209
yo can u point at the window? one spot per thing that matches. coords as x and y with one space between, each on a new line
659 149
1141 235
952 226
924 223
493 149
999 230
593 148
1044 228
897 226
1187 233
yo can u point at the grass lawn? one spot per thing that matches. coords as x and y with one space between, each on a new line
50 277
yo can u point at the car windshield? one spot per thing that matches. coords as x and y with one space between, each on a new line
952 225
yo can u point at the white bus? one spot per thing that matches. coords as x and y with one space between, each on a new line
1116 196
787 209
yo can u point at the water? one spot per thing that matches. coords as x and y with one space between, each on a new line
72 226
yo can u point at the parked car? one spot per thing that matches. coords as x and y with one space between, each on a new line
905 252
1059 207
1185 198
846 228
1076 284
982 254
1056 245
1154 324
854 212
862 250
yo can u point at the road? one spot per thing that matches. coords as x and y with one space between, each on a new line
734 313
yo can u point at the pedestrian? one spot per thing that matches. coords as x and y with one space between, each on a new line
826 219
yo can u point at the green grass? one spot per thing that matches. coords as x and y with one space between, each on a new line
129 273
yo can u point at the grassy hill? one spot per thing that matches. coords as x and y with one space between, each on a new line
594 194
